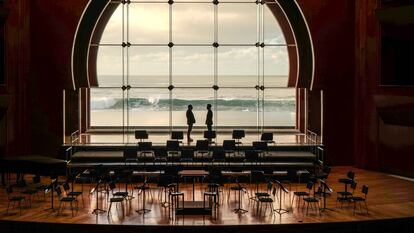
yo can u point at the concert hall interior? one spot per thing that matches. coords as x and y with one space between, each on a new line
301 117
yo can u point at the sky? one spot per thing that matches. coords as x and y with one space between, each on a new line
192 23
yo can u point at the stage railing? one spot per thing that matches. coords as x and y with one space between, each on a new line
75 137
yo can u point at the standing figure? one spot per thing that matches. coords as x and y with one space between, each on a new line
209 118
190 121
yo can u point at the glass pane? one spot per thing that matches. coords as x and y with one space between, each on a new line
237 66
109 66
193 23
237 107
237 23
148 23
149 66
272 32
112 33
276 66
199 98
148 107
107 107
280 107
193 66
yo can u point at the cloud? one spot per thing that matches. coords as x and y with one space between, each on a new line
192 23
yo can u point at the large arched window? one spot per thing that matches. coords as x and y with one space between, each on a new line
154 58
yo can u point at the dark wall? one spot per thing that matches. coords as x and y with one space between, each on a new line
383 135
332 26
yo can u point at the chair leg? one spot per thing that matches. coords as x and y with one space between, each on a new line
20 207
8 205
109 209
366 206
71 207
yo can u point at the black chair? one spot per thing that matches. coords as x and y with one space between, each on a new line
112 187
311 200
173 150
71 193
202 148
260 147
350 176
267 137
145 152
141 135
344 196
13 199
177 136
238 134
64 199
359 199
130 155
258 177
229 147
118 199
210 136
301 194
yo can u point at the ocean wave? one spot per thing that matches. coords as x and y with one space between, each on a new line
181 104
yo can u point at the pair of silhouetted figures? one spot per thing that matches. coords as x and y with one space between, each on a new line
191 120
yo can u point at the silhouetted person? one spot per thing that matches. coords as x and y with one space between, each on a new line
190 121
209 118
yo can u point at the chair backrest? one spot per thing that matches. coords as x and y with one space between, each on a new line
257 176
259 145
144 146
353 186
351 175
269 186
202 144
9 190
130 153
177 135
173 145
36 179
141 134
266 137
229 145
112 185
309 185
238 134
66 186
210 134
365 190
58 190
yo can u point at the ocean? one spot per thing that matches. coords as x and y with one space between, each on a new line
236 103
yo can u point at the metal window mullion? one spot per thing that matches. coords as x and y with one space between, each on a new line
215 62
170 79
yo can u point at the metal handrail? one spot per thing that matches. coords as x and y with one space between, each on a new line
74 137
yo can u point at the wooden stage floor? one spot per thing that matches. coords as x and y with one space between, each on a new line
389 197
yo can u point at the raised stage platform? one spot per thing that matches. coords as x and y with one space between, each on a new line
390 201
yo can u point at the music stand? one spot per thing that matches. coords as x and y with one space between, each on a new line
324 194
239 209
210 135
51 188
141 135
98 172
282 188
177 135
143 210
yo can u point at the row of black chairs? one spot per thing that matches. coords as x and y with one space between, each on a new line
237 135
144 152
